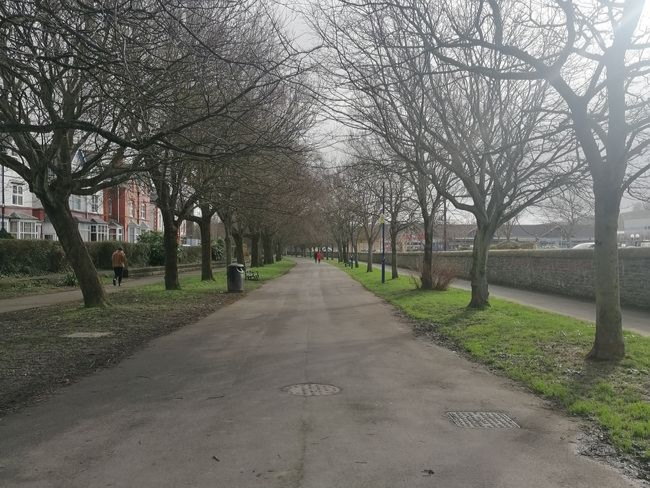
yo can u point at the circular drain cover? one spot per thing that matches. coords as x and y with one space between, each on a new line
311 389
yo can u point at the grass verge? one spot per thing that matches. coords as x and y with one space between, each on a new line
36 357
544 351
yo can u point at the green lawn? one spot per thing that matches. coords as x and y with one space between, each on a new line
542 350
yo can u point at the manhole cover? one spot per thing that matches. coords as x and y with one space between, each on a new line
87 335
311 389
482 420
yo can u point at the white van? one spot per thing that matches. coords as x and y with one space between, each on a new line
584 245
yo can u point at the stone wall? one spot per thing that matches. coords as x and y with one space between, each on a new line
566 272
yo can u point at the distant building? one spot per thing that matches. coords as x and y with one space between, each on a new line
130 211
461 236
21 210
635 222
120 213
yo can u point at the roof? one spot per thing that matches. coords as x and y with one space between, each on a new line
82 220
636 214
21 216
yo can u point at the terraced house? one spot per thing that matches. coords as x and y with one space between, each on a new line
120 213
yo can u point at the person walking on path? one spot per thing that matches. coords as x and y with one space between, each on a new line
315 256
318 256
119 262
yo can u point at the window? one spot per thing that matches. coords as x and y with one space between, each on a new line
16 194
143 211
134 232
98 232
75 202
94 204
115 234
84 231
29 230
131 211
24 230
110 205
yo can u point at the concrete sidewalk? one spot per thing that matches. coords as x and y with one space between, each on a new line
635 320
33 301
211 405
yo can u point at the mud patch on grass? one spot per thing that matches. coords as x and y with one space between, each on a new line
36 357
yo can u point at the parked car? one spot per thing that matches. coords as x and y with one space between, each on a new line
584 245
645 244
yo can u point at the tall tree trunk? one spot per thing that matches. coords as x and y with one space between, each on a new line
255 250
608 344
206 243
239 247
227 239
267 244
355 246
478 273
393 251
227 244
427 259
370 242
67 230
278 250
170 243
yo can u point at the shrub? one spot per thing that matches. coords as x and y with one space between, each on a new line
442 274
189 254
70 279
514 245
31 257
156 247
218 247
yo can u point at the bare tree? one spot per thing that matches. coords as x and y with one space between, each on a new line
103 77
595 56
396 190
568 208
448 128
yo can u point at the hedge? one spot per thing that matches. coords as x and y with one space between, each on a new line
37 257
189 254
137 255
31 257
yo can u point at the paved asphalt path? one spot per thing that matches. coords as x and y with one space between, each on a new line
33 301
204 407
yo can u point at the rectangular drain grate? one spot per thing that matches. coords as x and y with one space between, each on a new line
482 420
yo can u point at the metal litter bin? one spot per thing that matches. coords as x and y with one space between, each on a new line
235 277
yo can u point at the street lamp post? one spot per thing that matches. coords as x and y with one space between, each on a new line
444 224
3 198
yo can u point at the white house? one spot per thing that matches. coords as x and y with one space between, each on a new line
636 222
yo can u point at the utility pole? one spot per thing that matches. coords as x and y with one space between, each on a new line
3 229
383 228
444 224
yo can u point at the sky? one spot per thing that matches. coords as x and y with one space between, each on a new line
332 131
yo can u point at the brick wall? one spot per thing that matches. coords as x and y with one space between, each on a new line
565 272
